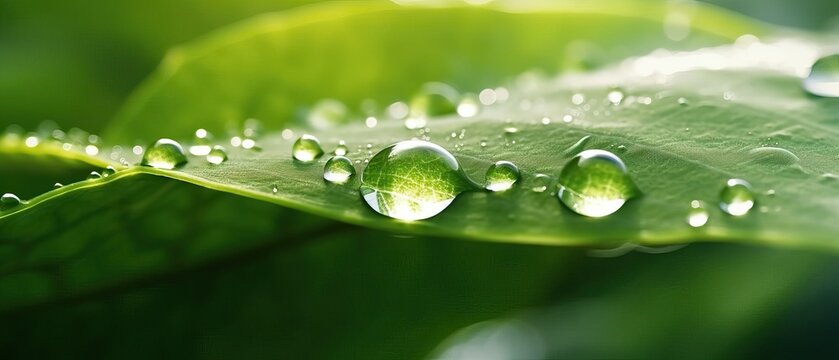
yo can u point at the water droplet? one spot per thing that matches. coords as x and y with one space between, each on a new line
697 215
236 141
274 188
567 118
32 141
164 154
541 182
546 120
327 113
137 150
824 77
57 185
398 110
501 176
8 201
249 144
217 155
578 99
413 180
578 146
306 148
108 171
774 155
737 197
615 96
371 122
682 101
468 107
91 150
338 170
510 130
488 96
341 149
94 175
434 99
201 143
595 183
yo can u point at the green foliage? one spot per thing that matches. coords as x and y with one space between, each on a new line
200 260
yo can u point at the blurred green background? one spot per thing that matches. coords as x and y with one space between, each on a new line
363 294
75 62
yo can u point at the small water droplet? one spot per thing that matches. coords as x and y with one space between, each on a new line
341 149
137 150
595 183
217 155
236 141
578 146
697 215
578 99
468 107
546 120
31 141
164 154
57 185
94 175
615 96
275 189
483 143
774 155
567 118
201 144
737 197
770 192
108 171
413 180
306 149
8 201
488 97
91 150
249 144
541 182
510 130
434 99
823 79
338 170
682 101
501 176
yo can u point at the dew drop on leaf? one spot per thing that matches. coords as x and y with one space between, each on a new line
434 99
217 155
108 171
306 149
338 170
737 197
595 183
468 107
501 176
201 143
164 154
541 182
57 185
823 79
8 201
341 149
413 180
615 96
94 175
697 215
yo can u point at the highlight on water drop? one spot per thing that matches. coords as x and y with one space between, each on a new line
338 170
737 197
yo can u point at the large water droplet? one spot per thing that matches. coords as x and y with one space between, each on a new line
164 154
306 149
501 176
697 215
8 201
413 180
338 170
595 183
217 155
824 77
737 197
